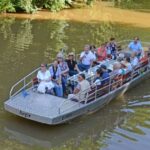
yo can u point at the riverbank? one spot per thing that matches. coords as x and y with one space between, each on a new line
101 11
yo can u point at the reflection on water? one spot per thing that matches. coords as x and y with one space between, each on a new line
139 5
24 44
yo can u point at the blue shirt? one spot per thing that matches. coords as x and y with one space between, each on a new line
105 78
135 47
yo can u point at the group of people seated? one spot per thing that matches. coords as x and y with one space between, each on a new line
53 80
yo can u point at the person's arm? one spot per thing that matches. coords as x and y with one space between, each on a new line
91 62
76 67
77 89
82 56
129 46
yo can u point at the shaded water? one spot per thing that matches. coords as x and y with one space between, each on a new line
25 43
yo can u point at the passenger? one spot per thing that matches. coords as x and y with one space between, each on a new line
86 59
64 71
72 64
120 57
104 75
44 78
126 64
55 72
81 90
134 60
101 53
94 51
112 48
116 69
135 46
116 78
97 80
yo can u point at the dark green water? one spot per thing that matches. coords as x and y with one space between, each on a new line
24 44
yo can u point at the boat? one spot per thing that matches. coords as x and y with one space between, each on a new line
25 102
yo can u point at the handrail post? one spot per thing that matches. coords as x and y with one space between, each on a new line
109 84
24 82
95 92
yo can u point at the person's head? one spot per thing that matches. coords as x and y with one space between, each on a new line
112 39
81 77
71 56
127 59
136 39
43 67
103 45
98 72
116 66
120 57
92 47
55 63
60 57
103 68
86 48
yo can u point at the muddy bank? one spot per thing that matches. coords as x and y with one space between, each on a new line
102 11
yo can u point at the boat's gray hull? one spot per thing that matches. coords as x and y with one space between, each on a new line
84 109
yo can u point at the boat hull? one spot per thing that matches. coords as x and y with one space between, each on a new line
84 108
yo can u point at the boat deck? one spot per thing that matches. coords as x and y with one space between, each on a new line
42 104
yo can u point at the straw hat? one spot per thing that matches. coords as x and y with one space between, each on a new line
71 54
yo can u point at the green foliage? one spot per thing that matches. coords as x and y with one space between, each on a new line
25 5
7 6
29 6
89 2
55 5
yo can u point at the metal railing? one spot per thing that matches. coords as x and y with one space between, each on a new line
24 83
113 85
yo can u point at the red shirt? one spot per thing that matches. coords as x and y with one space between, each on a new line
101 52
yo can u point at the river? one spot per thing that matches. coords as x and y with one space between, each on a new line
28 40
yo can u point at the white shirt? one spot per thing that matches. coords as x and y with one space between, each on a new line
134 61
87 58
43 75
129 67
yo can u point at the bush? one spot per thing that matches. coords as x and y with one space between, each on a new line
25 5
30 6
7 6
57 5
